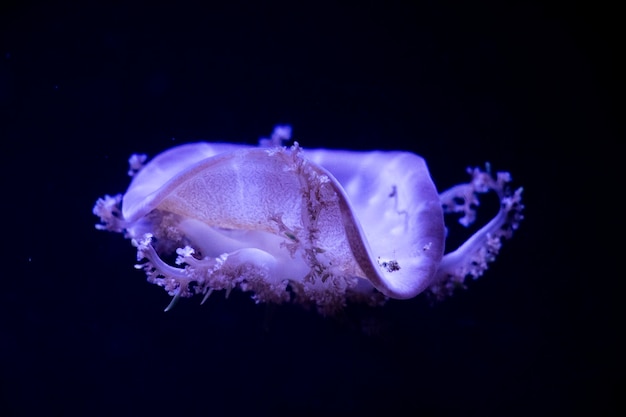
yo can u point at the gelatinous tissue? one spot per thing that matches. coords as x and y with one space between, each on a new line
315 227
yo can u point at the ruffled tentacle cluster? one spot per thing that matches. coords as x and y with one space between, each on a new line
471 259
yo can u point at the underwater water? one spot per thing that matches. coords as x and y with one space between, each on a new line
82 87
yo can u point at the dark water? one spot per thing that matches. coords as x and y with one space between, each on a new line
527 87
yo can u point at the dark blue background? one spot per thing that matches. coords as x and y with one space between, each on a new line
527 86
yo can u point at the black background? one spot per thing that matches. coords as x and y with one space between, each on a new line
529 86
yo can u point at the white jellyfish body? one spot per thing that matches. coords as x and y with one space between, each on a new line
315 227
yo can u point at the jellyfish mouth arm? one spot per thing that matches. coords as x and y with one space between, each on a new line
110 213
472 258
254 269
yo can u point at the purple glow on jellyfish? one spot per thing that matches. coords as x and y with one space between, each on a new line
315 227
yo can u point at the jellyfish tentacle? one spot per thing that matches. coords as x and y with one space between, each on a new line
471 259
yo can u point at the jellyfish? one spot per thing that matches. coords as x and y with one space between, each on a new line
317 227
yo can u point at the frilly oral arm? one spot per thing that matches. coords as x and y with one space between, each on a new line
108 209
473 256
